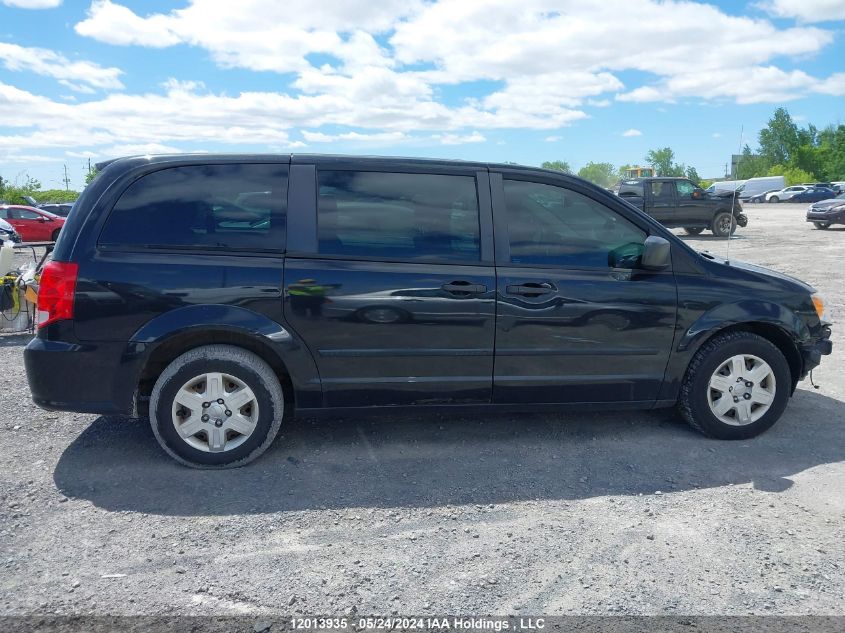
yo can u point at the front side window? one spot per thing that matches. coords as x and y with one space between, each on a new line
217 207
685 189
402 216
558 227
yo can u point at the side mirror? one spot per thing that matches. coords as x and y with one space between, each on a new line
656 253
41 218
697 192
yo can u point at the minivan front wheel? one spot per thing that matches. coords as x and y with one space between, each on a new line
736 386
216 406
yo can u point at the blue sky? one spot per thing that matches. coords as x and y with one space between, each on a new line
496 80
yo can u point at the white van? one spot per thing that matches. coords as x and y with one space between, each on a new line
722 186
756 186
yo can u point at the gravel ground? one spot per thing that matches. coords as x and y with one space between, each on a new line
594 513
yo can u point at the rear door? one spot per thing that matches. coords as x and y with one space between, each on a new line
575 323
662 204
390 280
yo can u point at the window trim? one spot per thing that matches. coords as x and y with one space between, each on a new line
500 219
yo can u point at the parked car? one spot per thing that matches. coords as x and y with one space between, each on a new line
155 305
761 197
8 234
725 186
34 225
825 213
754 187
58 208
677 202
786 193
813 194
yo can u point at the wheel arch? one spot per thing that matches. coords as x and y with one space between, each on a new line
161 340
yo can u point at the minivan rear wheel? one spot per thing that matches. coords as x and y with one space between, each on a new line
216 406
736 386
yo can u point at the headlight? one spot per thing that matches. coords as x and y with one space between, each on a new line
818 303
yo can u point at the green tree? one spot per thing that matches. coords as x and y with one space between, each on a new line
779 138
92 173
602 174
751 165
692 174
663 161
832 152
557 165
791 175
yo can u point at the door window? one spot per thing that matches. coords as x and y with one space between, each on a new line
685 189
402 216
661 191
217 207
559 227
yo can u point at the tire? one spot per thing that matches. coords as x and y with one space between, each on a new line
700 400
217 444
693 230
724 224
822 225
382 314
774 199
55 235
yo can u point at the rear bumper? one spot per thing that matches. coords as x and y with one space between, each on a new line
87 378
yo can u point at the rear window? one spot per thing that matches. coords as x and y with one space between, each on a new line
402 216
216 207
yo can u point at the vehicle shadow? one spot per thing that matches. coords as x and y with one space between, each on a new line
434 460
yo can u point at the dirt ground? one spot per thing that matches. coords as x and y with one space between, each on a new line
593 513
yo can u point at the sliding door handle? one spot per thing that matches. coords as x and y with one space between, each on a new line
464 287
531 289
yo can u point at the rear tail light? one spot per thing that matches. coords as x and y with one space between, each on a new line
55 292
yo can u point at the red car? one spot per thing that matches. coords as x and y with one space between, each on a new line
34 225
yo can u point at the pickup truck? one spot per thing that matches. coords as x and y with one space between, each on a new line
678 203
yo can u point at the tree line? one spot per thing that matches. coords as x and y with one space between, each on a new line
784 149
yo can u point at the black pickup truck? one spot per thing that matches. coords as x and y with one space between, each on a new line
677 202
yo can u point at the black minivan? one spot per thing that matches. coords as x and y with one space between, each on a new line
217 295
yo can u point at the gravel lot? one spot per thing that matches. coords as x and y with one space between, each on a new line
602 513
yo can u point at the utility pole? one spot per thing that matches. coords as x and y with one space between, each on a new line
66 179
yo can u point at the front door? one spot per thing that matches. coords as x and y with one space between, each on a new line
396 301
692 206
577 321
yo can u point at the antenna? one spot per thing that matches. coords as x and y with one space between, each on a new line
733 197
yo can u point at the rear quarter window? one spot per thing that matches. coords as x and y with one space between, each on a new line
239 207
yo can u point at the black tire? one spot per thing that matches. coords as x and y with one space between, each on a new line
693 230
693 403
234 361
774 199
55 235
822 225
724 224
382 314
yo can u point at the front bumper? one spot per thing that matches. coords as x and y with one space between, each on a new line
812 352
833 217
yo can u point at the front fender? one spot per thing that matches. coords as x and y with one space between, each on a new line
223 319
728 314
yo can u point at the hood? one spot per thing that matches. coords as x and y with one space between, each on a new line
768 273
829 203
722 193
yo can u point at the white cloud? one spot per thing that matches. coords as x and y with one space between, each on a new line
553 139
632 132
80 76
32 4
806 10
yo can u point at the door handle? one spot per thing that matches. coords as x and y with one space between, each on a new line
464 287
531 289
